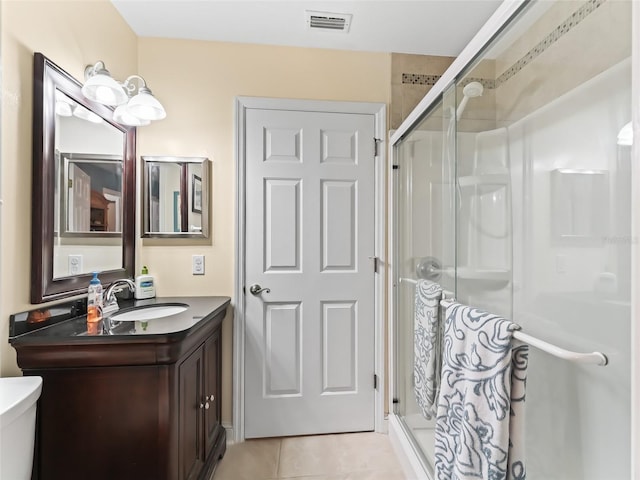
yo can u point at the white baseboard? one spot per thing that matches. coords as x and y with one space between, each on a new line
384 425
229 428
405 452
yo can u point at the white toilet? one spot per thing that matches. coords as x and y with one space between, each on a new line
18 397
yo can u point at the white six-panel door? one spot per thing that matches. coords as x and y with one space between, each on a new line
79 199
309 338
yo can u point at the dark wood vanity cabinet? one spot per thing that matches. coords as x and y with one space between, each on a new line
129 408
200 407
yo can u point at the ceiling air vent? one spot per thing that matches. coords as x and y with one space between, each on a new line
337 22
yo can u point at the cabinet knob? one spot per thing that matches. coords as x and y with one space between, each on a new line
201 406
206 406
212 397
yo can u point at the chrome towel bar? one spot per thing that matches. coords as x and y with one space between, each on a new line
593 358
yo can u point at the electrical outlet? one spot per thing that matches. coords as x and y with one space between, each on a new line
197 265
75 264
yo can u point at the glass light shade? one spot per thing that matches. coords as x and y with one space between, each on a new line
64 105
85 114
625 136
146 106
102 88
63 109
123 116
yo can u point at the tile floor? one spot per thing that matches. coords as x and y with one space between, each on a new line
348 456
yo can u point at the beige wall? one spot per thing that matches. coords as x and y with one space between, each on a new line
71 34
197 82
406 96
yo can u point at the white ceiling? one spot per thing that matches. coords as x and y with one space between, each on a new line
428 27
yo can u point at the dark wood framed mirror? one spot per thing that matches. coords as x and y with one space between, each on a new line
67 125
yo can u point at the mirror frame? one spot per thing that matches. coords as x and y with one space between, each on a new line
206 195
47 77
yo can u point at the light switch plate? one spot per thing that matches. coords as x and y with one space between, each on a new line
197 265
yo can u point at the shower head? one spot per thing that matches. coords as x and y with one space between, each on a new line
470 90
473 89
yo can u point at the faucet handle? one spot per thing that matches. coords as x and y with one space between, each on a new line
117 289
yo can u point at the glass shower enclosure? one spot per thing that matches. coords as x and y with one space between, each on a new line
512 190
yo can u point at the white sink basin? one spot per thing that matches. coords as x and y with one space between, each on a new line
150 312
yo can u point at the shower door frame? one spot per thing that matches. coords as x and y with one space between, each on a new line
635 231
405 448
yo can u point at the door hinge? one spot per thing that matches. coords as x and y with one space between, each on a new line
376 142
375 381
70 183
396 167
376 262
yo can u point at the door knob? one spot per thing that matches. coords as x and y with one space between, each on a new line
256 289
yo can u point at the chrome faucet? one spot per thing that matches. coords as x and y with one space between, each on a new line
110 301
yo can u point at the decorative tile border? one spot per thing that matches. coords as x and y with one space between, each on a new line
544 44
550 39
487 83
418 79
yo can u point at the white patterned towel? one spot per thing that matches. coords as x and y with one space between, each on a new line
480 419
427 333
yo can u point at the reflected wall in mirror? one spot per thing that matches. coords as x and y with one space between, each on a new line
176 197
83 216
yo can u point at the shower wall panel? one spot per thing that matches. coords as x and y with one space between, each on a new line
574 290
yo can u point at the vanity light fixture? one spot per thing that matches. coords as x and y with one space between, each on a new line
122 115
84 114
64 107
135 104
101 87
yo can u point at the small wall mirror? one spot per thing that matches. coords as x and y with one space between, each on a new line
176 197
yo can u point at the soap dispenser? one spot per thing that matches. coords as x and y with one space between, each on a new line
145 285
94 305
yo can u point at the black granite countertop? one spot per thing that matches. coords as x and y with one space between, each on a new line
67 322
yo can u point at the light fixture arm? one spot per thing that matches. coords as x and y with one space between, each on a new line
91 70
130 87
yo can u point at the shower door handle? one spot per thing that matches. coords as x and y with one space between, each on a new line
256 289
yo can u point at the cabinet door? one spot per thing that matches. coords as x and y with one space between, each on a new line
191 456
212 388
